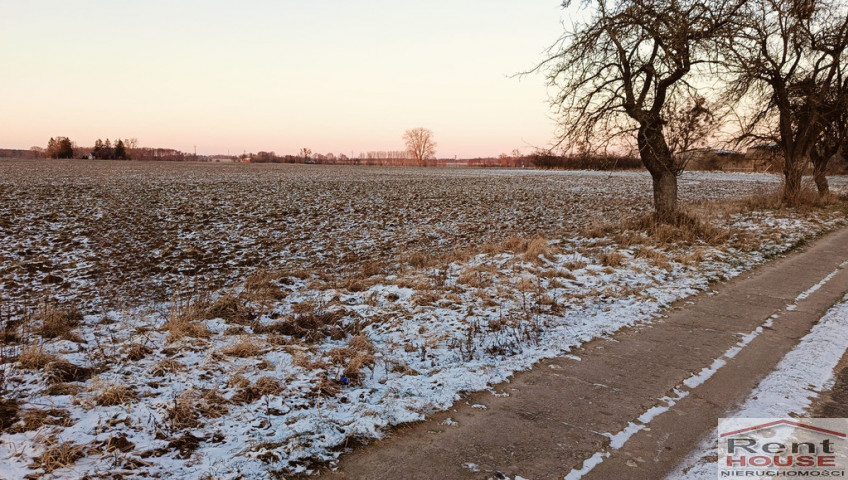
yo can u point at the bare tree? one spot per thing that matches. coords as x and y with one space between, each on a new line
786 60
420 144
616 72
305 153
690 124
833 140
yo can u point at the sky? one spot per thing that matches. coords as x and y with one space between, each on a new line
335 76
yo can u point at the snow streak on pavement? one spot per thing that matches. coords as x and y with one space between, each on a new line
786 391
618 440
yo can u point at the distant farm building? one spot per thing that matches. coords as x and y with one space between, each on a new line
759 158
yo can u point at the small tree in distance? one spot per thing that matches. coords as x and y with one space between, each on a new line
420 144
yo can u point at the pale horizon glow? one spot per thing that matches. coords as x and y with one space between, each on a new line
333 76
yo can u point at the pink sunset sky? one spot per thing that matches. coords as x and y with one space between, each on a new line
331 75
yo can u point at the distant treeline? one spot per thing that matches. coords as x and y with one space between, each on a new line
585 162
128 149
535 160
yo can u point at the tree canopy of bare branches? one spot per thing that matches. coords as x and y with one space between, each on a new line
616 72
420 144
786 60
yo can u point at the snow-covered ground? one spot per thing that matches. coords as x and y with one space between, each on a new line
286 368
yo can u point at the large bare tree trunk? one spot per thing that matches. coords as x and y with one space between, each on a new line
665 195
793 170
657 158
820 173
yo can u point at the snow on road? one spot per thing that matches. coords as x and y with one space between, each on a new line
788 390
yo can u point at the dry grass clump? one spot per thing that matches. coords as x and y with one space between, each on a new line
245 348
116 395
682 228
8 413
35 418
479 276
358 353
262 288
188 408
137 351
312 326
657 257
167 366
55 457
33 357
424 298
183 321
612 259
263 386
182 412
599 229
59 322
58 389
232 309
62 371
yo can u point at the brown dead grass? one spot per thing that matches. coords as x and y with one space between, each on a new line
685 227
263 386
55 457
182 412
35 418
137 351
245 348
655 256
312 325
59 322
183 321
612 259
34 357
538 248
166 367
116 395
232 309
62 371
358 354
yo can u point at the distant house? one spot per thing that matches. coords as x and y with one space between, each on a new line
767 156
717 159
